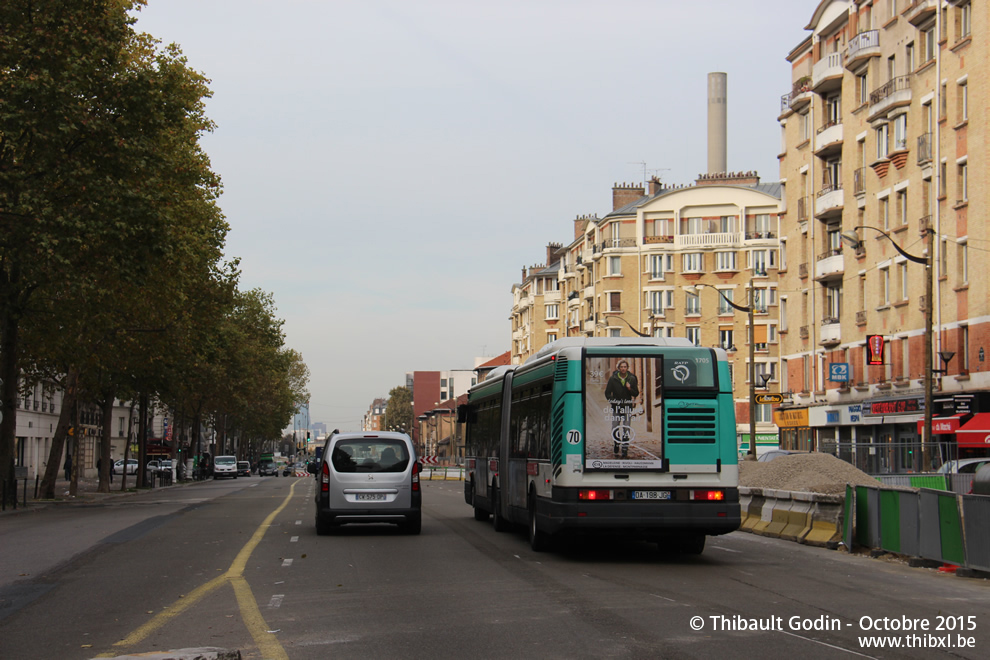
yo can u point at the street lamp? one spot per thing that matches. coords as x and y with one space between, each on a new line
752 359
853 240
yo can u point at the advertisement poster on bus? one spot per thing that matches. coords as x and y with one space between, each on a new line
623 414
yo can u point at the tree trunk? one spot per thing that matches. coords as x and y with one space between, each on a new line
9 373
76 449
105 433
61 431
142 481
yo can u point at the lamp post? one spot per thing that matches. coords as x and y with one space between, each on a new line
752 360
853 240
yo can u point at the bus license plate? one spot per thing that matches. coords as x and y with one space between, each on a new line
370 497
651 494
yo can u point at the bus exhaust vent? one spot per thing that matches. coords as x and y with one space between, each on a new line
692 425
560 373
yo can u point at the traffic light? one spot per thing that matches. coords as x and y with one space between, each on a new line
307 436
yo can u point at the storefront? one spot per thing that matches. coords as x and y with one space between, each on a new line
795 429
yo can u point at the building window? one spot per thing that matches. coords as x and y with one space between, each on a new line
963 185
615 265
693 333
614 301
902 207
882 145
551 337
963 99
964 19
725 261
693 262
725 339
724 302
902 277
884 213
963 263
553 313
692 304
864 89
900 133
884 287
656 266
930 43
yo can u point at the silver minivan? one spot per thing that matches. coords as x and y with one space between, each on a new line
368 478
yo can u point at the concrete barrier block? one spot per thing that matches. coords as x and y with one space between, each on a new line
780 506
826 521
798 518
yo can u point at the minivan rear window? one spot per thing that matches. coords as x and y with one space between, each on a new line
370 455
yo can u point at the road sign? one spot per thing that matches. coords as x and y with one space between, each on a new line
769 398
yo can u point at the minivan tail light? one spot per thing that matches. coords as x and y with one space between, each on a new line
325 478
415 476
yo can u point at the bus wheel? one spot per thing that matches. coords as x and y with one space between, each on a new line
479 513
539 540
499 523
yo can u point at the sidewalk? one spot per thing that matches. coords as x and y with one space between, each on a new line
86 493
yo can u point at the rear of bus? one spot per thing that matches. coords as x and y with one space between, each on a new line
644 444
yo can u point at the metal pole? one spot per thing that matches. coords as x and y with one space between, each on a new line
752 377
926 441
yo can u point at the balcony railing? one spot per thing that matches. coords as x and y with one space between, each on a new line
650 240
924 148
863 40
618 243
897 84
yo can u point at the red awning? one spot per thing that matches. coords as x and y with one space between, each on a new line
943 425
975 432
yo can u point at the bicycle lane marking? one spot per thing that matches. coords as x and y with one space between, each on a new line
251 615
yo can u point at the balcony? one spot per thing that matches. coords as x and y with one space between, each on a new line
829 202
862 47
658 240
828 140
827 73
615 243
551 296
893 94
712 240
589 291
924 148
921 11
801 93
785 103
802 206
830 331
830 266
760 235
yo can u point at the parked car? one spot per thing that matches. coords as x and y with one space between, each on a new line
267 468
225 466
981 482
286 470
243 468
132 466
963 465
368 478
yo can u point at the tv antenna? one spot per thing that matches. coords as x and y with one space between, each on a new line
647 172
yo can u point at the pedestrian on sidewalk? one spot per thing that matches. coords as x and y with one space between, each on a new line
68 466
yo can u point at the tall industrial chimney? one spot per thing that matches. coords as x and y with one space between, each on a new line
716 123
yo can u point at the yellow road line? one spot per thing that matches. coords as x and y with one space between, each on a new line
267 643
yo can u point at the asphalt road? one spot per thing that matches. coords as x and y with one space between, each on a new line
238 565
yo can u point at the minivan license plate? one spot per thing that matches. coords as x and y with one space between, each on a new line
651 494
372 497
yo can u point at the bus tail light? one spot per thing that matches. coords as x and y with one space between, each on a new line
594 494
708 495
415 476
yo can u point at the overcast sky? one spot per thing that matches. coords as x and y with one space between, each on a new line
389 166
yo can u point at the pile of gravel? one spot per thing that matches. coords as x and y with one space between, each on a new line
810 473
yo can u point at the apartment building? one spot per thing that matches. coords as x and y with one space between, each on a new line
884 142
668 263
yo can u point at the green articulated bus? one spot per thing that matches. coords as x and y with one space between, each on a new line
631 436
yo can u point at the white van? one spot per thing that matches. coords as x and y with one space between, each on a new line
225 466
